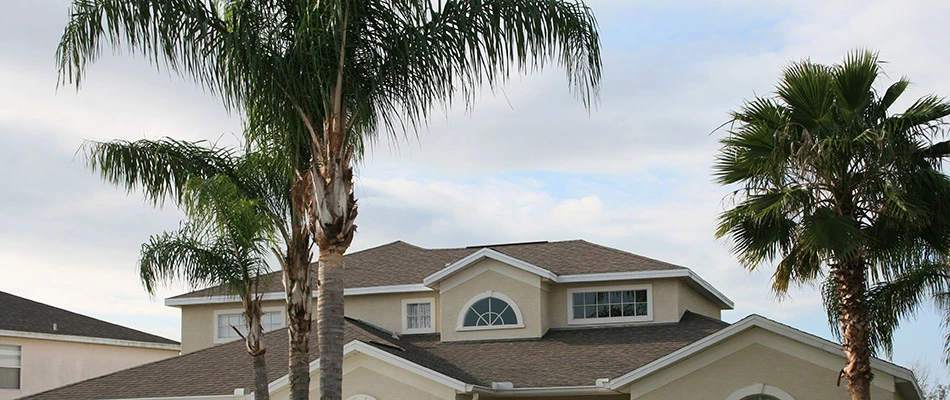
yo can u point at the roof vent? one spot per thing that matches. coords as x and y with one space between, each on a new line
55 327
239 392
601 382
502 386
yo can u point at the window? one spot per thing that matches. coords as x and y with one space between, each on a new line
610 304
418 315
490 310
9 367
271 319
760 391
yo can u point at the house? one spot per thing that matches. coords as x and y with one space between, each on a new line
540 320
43 347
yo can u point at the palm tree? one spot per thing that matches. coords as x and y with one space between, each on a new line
237 206
224 242
831 183
319 78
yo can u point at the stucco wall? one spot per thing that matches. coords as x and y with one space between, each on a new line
197 323
755 357
385 310
366 375
665 306
47 364
522 287
689 299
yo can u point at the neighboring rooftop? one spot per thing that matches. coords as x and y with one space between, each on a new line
561 357
400 263
23 315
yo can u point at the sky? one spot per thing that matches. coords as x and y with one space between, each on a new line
527 162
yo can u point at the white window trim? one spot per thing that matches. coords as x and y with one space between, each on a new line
19 384
609 320
214 321
760 388
460 326
405 315
361 397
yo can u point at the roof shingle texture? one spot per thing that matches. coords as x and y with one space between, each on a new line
23 315
563 357
400 263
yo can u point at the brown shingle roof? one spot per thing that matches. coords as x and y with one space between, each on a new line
400 263
23 315
563 357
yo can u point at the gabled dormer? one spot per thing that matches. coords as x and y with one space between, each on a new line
491 295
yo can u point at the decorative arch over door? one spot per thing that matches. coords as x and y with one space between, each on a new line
760 391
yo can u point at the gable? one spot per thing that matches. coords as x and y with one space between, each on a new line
757 354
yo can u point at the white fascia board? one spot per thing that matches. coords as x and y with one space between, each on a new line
481 255
724 301
742 325
202 397
544 391
188 301
416 287
90 340
363 348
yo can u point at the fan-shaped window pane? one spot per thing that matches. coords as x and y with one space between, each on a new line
490 311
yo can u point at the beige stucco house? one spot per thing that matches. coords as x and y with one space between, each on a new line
44 347
542 320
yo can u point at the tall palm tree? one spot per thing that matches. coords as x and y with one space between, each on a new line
237 206
830 182
318 78
224 242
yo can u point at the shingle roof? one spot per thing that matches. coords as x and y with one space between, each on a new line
563 357
23 315
400 263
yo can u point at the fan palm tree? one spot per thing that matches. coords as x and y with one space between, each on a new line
830 182
237 208
224 242
319 78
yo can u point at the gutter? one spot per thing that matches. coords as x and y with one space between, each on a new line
498 391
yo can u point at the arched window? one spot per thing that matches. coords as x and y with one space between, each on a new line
490 310
760 391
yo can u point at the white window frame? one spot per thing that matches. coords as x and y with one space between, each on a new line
19 384
609 320
361 397
405 315
460 326
214 321
760 388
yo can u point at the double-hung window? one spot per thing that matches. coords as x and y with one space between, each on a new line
227 321
418 315
9 367
615 304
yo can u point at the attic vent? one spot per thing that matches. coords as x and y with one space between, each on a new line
502 385
505 244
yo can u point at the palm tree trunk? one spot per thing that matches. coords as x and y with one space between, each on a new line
853 319
299 289
330 327
335 207
255 347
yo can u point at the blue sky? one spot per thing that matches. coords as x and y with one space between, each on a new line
526 163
